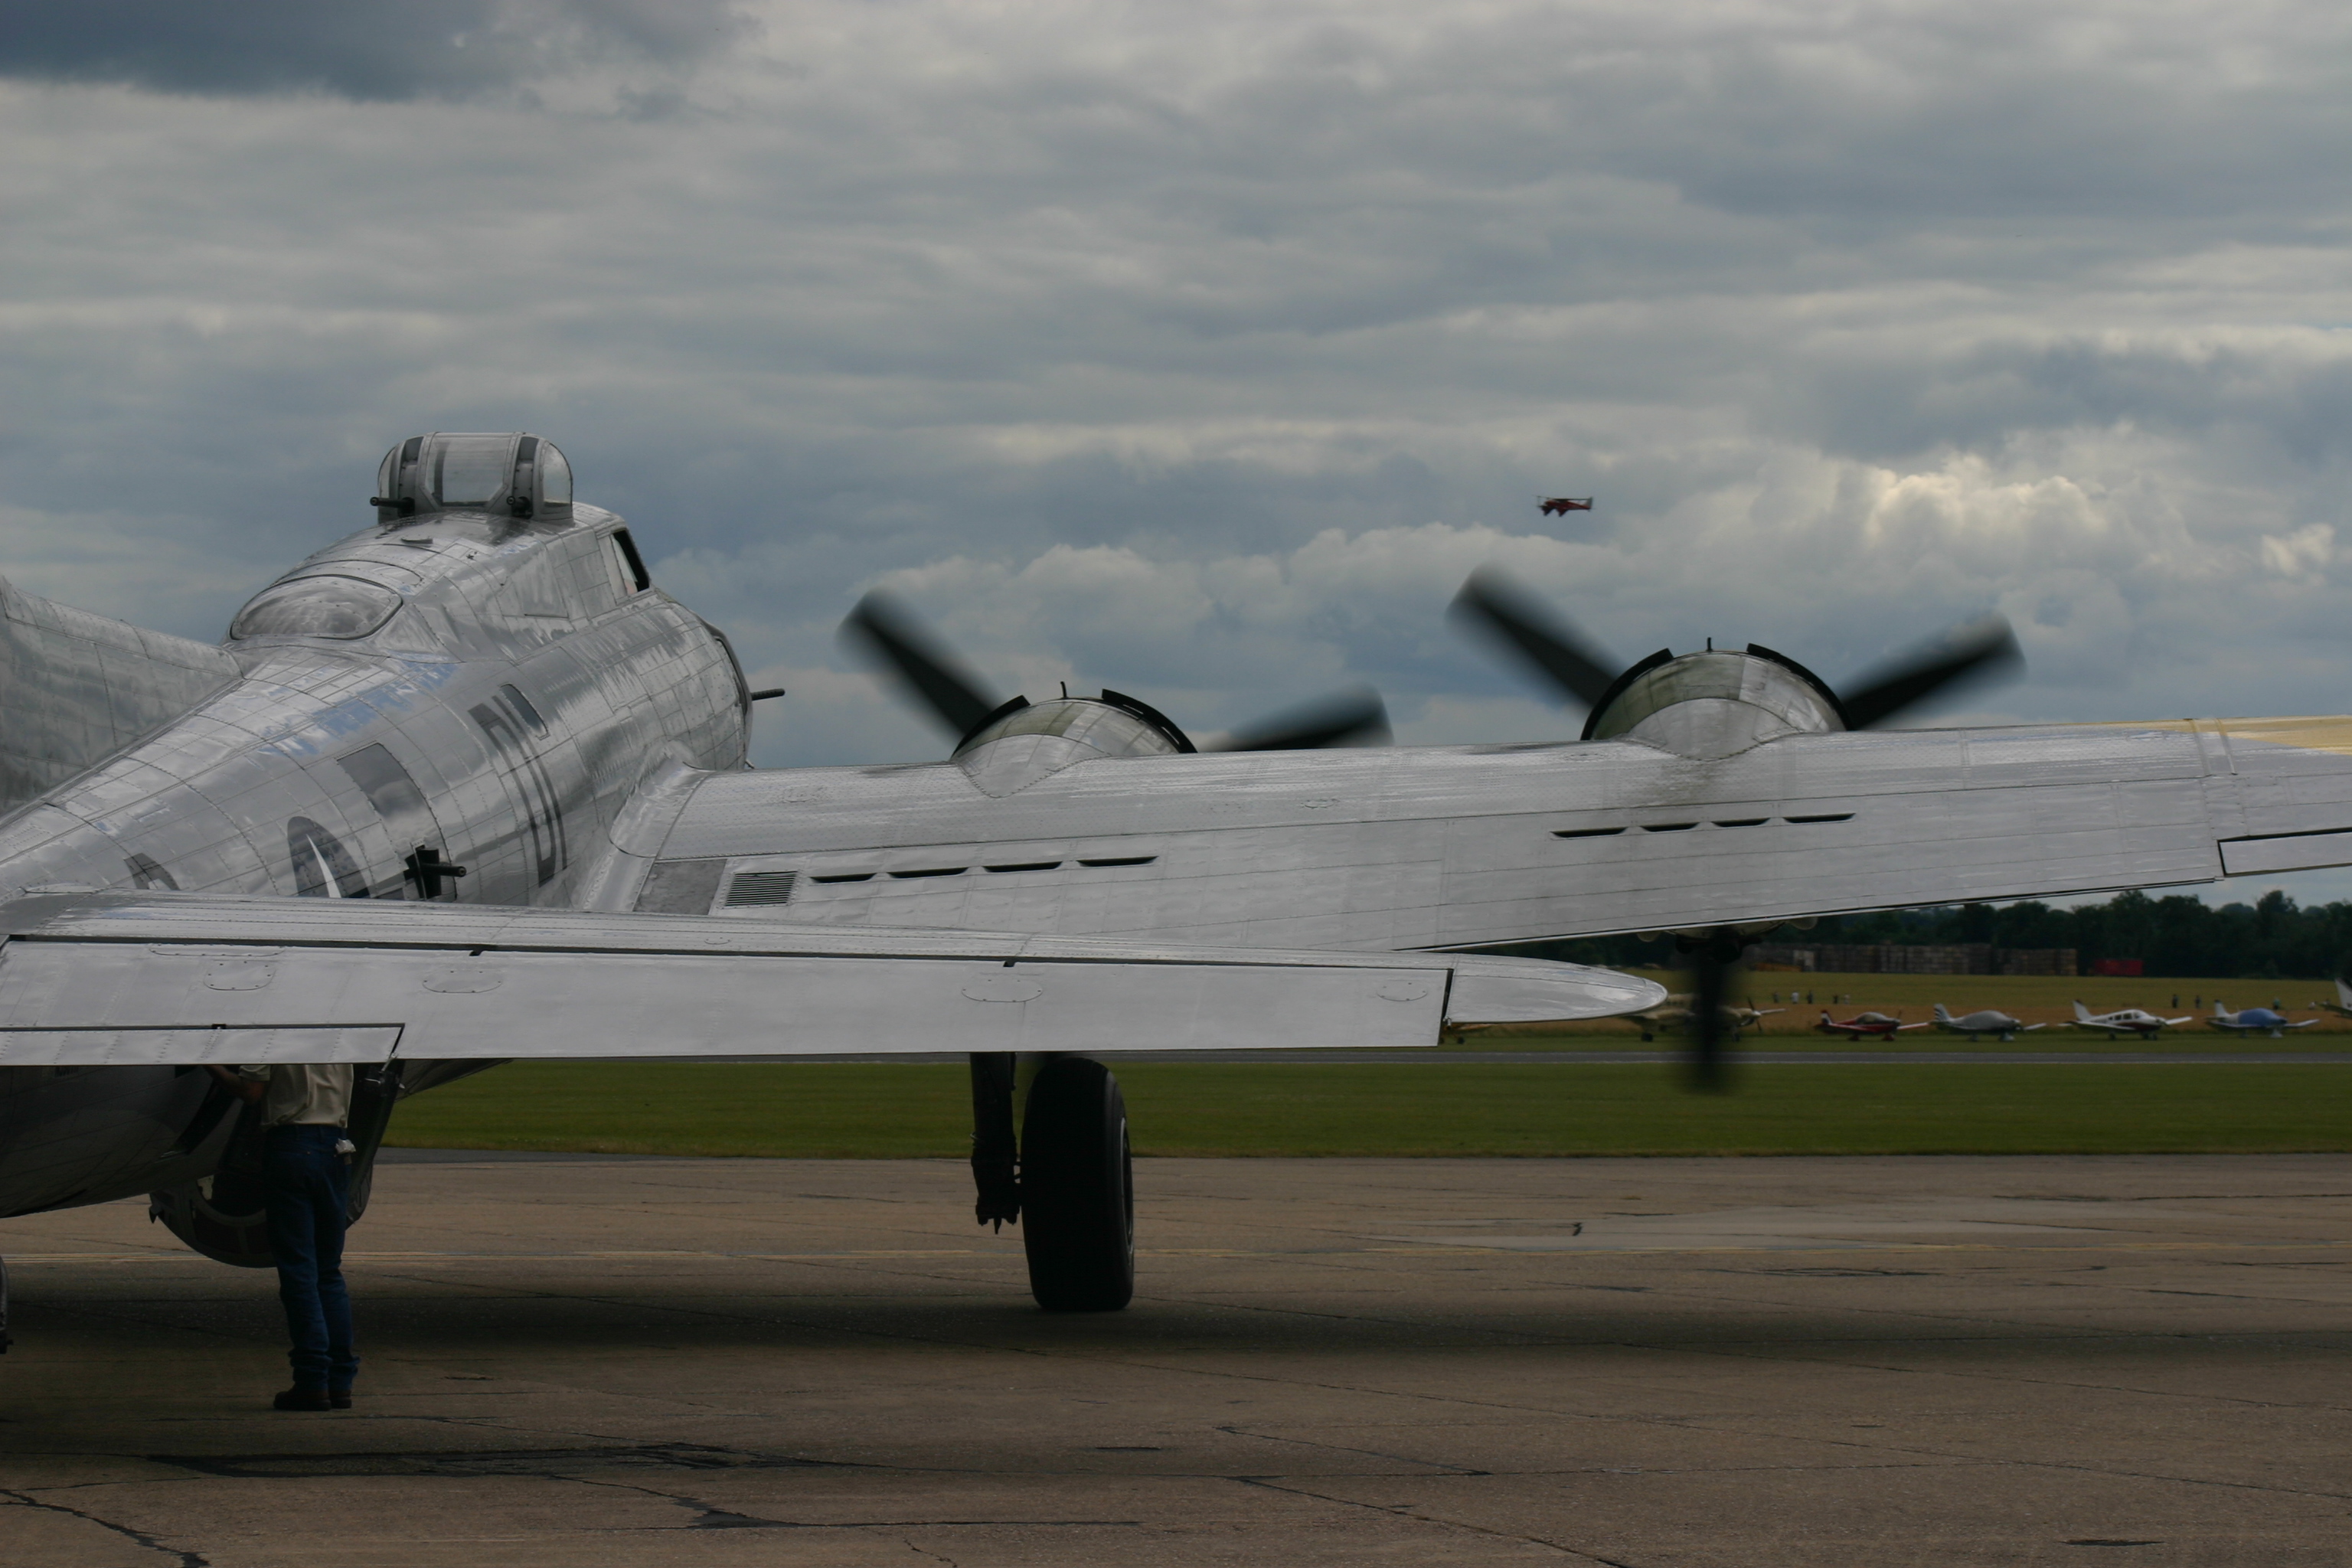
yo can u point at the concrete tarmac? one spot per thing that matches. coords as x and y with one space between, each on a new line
587 1361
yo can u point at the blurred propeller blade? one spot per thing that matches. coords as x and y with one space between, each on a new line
1491 601
1355 717
1712 961
887 633
1978 650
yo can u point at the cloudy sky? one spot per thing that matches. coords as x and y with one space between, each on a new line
1202 350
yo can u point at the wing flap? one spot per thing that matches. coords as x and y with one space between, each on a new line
111 978
157 1047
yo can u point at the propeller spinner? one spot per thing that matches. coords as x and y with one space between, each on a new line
1716 704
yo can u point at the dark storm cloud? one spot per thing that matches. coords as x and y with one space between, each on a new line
2277 401
417 49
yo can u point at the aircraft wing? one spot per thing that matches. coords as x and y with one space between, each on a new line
123 978
1459 846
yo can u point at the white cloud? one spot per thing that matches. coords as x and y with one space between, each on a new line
2305 553
1203 351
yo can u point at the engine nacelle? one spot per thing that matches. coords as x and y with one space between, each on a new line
1714 704
1023 741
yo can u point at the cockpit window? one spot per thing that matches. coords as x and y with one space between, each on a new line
317 607
629 574
469 469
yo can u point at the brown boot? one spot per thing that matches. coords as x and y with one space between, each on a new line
341 1398
301 1398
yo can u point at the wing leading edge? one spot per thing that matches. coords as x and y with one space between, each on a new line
117 979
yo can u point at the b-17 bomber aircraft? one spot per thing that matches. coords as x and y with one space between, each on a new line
2254 1021
2124 1021
464 787
418 814
1984 1021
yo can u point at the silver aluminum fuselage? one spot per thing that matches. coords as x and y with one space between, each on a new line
525 687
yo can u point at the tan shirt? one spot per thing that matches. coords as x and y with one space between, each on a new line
303 1094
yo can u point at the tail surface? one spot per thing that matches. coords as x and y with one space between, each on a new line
76 687
2082 1014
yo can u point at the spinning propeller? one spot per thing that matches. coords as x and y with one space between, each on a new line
1750 696
888 635
1494 604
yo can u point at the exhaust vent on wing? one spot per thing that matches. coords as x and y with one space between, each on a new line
752 889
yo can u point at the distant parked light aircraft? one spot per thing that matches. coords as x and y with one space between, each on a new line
1988 1021
1873 1025
2342 1005
2254 1020
2124 1021
1674 1015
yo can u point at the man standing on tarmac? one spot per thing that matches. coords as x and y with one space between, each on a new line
306 1173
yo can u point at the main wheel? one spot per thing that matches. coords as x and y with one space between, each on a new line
1078 1189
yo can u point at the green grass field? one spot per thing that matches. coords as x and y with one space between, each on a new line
1472 1109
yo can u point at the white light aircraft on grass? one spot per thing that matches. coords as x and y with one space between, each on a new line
2124 1021
466 788
1987 1021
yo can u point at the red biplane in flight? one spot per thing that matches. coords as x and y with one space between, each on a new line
1553 506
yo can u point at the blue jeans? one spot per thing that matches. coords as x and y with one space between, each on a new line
307 1184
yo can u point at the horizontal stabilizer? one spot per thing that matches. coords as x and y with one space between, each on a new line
77 687
120 978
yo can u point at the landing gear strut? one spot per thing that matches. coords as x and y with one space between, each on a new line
996 1153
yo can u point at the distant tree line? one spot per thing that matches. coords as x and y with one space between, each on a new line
2273 939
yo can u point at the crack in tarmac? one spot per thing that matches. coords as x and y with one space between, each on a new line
1396 1512
186 1559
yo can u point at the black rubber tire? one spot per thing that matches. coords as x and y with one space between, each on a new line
1078 1189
